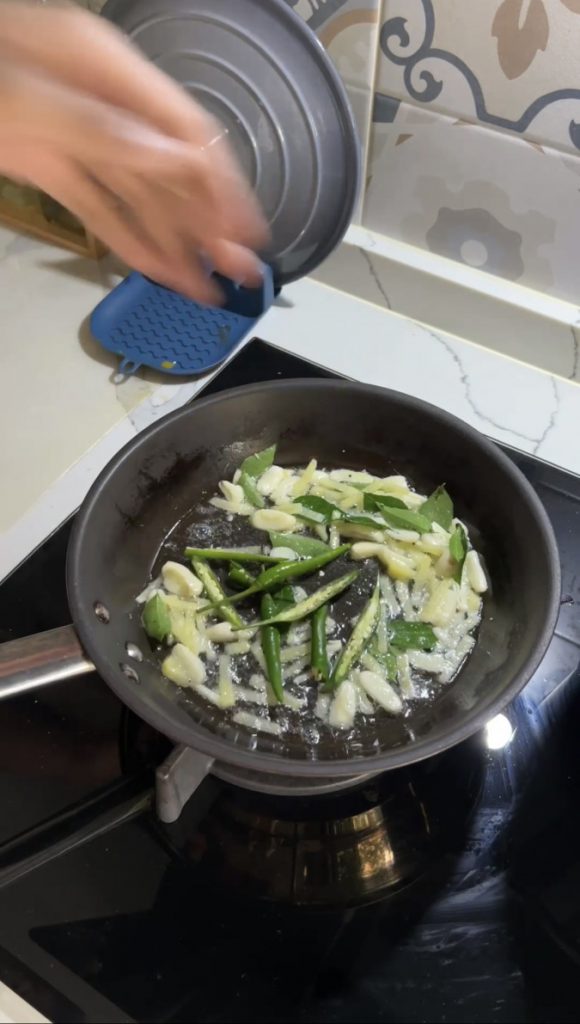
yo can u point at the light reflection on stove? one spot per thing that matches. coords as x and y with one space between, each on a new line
499 733
349 848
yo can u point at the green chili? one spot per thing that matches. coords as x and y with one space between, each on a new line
270 637
359 638
278 575
310 604
283 599
229 555
306 547
251 492
214 591
318 645
156 619
458 548
239 575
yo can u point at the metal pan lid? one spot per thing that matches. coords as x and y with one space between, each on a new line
260 70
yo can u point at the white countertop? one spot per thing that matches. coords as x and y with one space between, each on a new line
63 417
13 1009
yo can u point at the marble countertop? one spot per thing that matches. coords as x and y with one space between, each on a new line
64 416
13 1009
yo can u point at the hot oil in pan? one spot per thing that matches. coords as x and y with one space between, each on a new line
304 735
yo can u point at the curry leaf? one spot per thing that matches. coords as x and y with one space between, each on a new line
411 636
438 508
361 520
406 519
321 507
396 514
372 502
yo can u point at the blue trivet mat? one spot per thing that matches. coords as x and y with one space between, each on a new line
148 325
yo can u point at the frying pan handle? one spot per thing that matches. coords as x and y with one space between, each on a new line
177 779
39 660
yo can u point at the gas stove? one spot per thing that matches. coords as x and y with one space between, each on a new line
447 891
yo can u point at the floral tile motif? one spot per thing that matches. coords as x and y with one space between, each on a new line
509 64
485 199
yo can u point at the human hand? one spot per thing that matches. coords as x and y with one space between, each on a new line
89 121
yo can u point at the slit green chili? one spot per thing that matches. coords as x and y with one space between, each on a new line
239 575
310 604
229 555
213 589
278 575
359 638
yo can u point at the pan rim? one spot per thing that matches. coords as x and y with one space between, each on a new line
222 749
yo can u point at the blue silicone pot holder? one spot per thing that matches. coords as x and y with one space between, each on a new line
148 325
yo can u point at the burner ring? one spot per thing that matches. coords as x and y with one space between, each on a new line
283 785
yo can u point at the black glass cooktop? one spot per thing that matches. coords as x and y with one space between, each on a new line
446 892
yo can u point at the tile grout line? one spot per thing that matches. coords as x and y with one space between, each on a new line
576 355
471 121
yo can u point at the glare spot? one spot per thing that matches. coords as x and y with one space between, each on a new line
473 252
498 732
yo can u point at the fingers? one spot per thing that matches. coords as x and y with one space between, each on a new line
235 262
111 221
242 219
175 226
35 107
90 133
90 55
159 201
94 134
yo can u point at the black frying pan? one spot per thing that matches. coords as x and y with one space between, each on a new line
154 488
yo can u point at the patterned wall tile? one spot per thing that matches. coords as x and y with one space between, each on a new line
511 64
500 203
349 31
